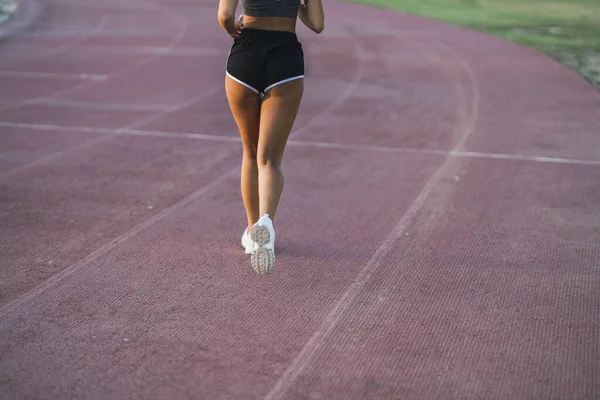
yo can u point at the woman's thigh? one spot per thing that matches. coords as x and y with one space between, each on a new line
277 116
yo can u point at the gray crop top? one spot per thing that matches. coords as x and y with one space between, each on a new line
271 8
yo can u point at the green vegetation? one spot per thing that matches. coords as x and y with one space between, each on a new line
568 30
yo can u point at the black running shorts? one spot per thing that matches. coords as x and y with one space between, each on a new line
261 59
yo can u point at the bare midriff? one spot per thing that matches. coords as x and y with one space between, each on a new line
270 23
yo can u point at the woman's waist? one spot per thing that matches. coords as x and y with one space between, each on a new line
276 24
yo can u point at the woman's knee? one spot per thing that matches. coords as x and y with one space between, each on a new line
270 159
250 151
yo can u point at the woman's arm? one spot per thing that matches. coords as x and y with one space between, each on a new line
312 15
226 16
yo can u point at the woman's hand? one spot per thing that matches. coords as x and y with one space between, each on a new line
239 24
312 15
226 15
234 29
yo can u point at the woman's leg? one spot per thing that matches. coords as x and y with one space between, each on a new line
277 115
245 107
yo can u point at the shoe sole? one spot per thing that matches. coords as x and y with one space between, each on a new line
262 259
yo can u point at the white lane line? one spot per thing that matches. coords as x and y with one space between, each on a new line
177 135
555 160
121 6
122 131
49 127
108 133
307 353
107 32
90 105
308 143
183 51
450 153
53 75
94 50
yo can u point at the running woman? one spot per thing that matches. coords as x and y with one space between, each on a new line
264 84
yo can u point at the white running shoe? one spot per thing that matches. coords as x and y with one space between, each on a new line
263 256
247 242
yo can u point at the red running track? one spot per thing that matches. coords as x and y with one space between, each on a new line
438 237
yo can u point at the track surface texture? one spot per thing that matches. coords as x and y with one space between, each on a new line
438 236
